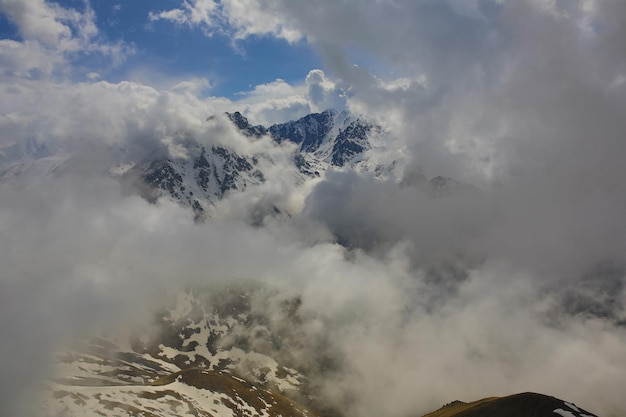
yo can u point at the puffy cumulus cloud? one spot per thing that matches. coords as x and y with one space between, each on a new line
24 58
47 23
279 101
50 35
274 102
324 93
134 116
250 17
277 110
72 115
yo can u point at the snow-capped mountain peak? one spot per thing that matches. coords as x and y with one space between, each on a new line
229 155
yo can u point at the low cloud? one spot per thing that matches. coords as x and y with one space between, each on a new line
409 324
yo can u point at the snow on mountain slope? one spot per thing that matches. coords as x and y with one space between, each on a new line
20 161
188 393
198 180
333 138
206 354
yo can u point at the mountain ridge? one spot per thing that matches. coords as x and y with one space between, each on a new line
527 404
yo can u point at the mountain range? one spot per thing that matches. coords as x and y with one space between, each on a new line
199 172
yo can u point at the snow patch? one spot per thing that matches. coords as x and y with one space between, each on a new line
564 413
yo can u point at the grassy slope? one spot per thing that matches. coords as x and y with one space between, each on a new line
526 404
458 407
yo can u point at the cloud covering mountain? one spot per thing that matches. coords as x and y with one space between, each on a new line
518 284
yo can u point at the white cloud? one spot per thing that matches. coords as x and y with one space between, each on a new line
195 86
21 58
174 15
51 34
279 101
253 17
276 110
274 102
324 93
278 88
238 18
41 21
195 13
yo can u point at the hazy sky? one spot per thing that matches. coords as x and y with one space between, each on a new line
517 285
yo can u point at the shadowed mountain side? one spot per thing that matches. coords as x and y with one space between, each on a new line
527 404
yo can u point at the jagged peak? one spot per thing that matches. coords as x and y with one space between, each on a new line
238 119
337 117
242 123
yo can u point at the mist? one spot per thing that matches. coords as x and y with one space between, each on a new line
515 282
